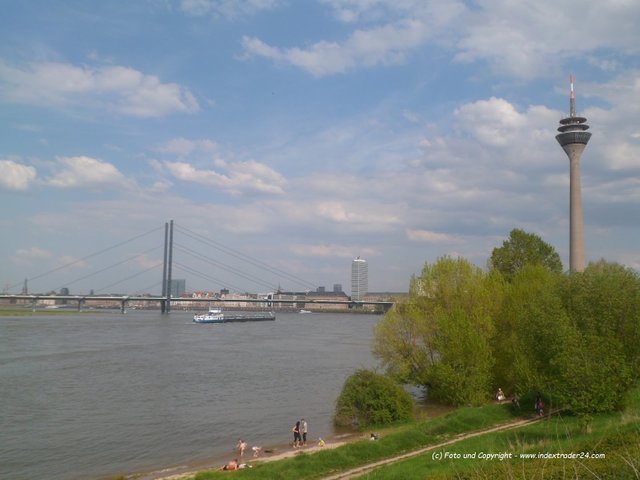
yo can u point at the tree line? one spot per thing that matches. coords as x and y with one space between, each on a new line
522 324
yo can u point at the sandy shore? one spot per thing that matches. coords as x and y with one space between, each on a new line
270 454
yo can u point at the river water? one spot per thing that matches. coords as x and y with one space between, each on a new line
90 396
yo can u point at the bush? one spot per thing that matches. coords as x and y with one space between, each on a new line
369 398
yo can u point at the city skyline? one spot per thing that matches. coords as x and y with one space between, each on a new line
305 134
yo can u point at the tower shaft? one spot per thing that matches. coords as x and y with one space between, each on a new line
576 222
573 138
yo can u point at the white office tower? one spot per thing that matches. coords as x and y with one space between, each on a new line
359 279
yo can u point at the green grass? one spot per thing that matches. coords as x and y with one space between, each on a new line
617 435
395 441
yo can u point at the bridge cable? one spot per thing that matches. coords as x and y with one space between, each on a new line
205 276
88 256
131 276
111 266
224 266
244 257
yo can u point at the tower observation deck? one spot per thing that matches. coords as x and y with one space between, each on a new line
573 138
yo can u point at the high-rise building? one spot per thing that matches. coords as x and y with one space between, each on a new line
178 287
359 278
573 137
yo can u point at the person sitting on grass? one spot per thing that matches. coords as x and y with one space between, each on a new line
232 465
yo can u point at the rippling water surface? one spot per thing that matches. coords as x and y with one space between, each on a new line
102 394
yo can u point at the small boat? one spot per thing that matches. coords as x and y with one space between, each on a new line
305 311
216 315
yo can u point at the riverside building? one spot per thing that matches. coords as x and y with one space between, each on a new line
359 279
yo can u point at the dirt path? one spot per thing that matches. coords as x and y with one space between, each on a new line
359 471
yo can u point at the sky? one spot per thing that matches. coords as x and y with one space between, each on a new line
285 138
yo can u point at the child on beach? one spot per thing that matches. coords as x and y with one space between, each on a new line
241 446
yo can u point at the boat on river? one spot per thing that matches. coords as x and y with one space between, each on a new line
216 315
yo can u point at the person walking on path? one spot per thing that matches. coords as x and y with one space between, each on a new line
303 430
297 439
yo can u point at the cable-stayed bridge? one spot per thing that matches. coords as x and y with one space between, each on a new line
184 251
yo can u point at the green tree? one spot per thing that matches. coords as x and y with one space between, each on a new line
530 327
604 301
440 337
520 249
564 337
591 374
372 399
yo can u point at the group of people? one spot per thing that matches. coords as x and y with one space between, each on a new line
234 464
515 401
242 446
300 430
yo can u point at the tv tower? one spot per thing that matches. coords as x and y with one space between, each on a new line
573 137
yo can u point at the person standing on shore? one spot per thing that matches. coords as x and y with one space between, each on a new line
303 430
297 440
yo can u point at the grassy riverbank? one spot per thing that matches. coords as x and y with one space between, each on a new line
392 442
610 450
24 312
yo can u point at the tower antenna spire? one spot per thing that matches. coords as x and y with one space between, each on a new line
572 99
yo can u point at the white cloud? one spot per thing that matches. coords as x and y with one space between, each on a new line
32 253
330 251
15 176
69 261
520 39
623 156
119 89
530 38
431 237
384 45
84 171
237 177
497 122
227 8
184 147
491 121
359 216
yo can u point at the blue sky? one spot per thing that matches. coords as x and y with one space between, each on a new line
306 133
